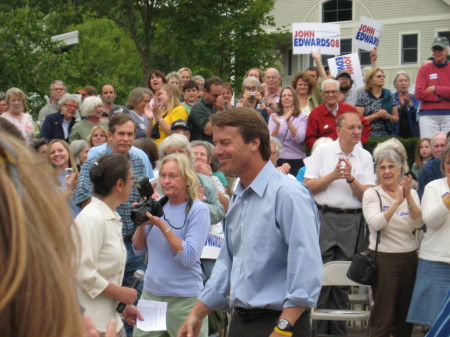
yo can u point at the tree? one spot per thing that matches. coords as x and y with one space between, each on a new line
216 37
28 58
104 54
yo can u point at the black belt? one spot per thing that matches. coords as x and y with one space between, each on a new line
325 208
127 238
254 314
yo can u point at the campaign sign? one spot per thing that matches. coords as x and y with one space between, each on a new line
308 37
350 63
368 33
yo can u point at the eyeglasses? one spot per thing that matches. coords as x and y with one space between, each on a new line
271 77
99 106
380 76
71 106
171 177
437 49
98 135
58 89
329 92
251 88
353 127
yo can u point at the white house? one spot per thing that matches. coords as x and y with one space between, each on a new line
409 29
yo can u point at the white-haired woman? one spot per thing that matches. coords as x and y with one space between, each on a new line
80 149
91 109
251 97
174 243
392 209
59 125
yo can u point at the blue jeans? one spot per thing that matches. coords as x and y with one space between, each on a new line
133 263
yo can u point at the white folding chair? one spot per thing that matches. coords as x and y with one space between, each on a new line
335 274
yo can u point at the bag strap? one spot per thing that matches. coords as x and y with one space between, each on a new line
378 232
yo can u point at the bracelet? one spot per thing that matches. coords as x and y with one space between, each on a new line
281 332
411 206
160 120
446 201
167 231
350 181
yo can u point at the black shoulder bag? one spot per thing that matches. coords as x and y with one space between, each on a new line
363 268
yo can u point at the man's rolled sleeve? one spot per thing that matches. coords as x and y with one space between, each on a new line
300 226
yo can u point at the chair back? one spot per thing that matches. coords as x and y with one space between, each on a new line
335 274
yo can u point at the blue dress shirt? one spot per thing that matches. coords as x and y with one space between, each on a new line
134 150
271 256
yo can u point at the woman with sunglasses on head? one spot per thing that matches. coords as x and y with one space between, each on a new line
174 243
97 136
59 125
98 235
377 105
91 109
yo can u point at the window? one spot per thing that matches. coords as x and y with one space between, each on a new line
446 34
409 48
364 58
337 10
290 60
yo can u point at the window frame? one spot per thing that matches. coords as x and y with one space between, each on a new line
322 12
401 61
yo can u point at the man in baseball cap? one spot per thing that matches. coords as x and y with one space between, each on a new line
181 126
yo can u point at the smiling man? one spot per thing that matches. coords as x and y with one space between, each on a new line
269 269
322 119
337 175
433 89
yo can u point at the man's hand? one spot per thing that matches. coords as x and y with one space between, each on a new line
191 327
131 314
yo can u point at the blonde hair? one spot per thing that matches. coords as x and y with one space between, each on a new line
11 92
72 162
36 249
369 78
186 170
397 146
174 99
94 130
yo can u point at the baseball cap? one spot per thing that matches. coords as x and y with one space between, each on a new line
440 41
180 124
343 73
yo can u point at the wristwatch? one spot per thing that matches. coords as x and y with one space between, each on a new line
284 325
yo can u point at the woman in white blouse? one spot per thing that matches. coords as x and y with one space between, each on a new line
392 208
433 272
103 255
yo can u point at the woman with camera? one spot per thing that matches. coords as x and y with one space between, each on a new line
102 251
174 243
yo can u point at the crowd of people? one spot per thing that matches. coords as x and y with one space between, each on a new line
247 213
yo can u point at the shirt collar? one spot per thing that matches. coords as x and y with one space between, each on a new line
339 151
107 212
259 184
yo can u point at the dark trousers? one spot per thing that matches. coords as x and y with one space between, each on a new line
133 263
263 326
338 234
392 294
296 164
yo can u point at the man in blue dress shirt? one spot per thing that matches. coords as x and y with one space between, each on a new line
270 268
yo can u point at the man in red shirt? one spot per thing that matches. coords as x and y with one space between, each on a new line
322 120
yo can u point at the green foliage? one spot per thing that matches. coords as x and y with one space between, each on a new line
223 38
409 144
104 54
29 59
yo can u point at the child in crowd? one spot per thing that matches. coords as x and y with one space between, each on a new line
422 156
